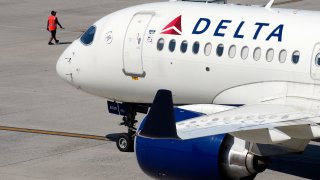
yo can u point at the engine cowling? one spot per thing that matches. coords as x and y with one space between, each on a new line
212 157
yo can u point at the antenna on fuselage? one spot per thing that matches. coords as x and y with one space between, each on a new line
270 3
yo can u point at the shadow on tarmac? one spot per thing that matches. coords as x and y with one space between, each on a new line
306 165
64 43
113 137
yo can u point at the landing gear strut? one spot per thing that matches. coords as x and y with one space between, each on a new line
125 141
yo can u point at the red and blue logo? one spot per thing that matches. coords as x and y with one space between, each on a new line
174 27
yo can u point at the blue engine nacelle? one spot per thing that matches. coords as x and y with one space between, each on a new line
213 157
162 154
172 158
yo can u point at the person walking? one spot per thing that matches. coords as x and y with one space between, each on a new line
52 27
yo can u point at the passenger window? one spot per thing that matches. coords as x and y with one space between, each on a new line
88 36
282 56
172 45
184 46
232 51
244 52
295 57
220 49
257 54
195 47
270 54
160 44
207 49
318 59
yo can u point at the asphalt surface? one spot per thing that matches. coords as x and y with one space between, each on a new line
32 96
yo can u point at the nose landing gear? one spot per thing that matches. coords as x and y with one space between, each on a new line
125 141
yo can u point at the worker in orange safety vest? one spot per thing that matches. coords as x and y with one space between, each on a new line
52 27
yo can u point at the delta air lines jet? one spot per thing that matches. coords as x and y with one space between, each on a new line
248 77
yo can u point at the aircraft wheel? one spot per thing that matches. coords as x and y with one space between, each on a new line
125 143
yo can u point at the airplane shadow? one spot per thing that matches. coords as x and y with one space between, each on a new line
113 137
306 165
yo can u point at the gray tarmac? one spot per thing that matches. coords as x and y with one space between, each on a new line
32 96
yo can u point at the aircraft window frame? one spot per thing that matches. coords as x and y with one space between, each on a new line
283 56
232 51
245 52
207 49
160 45
257 53
295 57
196 47
172 45
270 54
87 37
184 46
317 59
220 50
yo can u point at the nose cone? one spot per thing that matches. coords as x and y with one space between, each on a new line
65 65
62 68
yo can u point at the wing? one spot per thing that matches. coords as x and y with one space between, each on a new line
260 123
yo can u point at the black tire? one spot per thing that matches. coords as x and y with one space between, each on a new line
125 142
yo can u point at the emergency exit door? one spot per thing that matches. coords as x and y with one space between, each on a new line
315 63
133 44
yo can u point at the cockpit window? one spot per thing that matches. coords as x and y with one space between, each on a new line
88 36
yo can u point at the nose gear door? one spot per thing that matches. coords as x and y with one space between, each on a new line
133 44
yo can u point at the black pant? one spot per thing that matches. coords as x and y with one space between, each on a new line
53 33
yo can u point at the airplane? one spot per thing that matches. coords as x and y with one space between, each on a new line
245 81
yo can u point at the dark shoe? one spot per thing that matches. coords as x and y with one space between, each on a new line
57 41
50 43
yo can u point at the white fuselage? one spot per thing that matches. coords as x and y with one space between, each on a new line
267 54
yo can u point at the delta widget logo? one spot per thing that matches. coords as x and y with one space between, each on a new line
174 27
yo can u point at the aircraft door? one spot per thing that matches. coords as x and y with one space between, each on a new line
315 62
133 44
